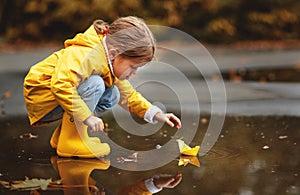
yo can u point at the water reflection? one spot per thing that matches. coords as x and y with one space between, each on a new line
75 174
237 164
76 178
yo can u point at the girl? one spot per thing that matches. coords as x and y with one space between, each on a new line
90 75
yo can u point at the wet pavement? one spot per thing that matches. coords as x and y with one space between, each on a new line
253 155
257 151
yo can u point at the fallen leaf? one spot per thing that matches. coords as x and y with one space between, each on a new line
32 184
282 137
29 184
131 158
5 184
133 155
185 160
265 147
187 150
28 136
7 94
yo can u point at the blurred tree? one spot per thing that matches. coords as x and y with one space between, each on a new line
207 20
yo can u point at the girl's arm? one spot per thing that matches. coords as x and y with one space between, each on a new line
133 101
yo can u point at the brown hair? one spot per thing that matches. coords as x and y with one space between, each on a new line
130 36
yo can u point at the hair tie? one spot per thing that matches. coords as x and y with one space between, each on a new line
105 31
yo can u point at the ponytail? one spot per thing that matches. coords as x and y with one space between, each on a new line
101 27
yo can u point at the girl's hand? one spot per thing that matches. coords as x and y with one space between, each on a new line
95 123
167 181
169 118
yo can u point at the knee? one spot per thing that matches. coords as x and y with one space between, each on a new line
115 96
94 85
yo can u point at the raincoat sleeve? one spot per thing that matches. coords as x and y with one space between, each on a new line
73 67
132 100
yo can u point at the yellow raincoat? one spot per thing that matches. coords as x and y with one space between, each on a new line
54 80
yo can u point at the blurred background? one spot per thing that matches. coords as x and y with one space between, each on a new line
210 21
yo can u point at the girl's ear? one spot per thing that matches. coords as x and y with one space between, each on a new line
112 53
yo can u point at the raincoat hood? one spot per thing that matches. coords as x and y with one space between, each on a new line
88 39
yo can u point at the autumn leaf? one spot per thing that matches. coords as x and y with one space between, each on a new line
131 158
5 184
32 184
29 184
7 94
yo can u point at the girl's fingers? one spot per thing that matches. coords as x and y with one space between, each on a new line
175 120
169 123
101 126
170 119
169 184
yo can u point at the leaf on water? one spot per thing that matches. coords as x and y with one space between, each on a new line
265 147
29 184
187 150
7 94
133 155
131 158
283 137
28 136
5 184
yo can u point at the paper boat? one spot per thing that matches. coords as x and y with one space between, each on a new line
187 150
185 160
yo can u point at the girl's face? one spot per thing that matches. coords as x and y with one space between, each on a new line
124 68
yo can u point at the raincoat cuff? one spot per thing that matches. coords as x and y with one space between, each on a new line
149 115
151 187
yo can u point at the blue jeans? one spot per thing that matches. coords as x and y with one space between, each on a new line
93 92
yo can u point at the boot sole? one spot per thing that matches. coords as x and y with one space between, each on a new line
96 155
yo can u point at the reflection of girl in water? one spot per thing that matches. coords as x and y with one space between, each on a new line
76 172
88 77
152 185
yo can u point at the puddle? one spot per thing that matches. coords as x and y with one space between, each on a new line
253 155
